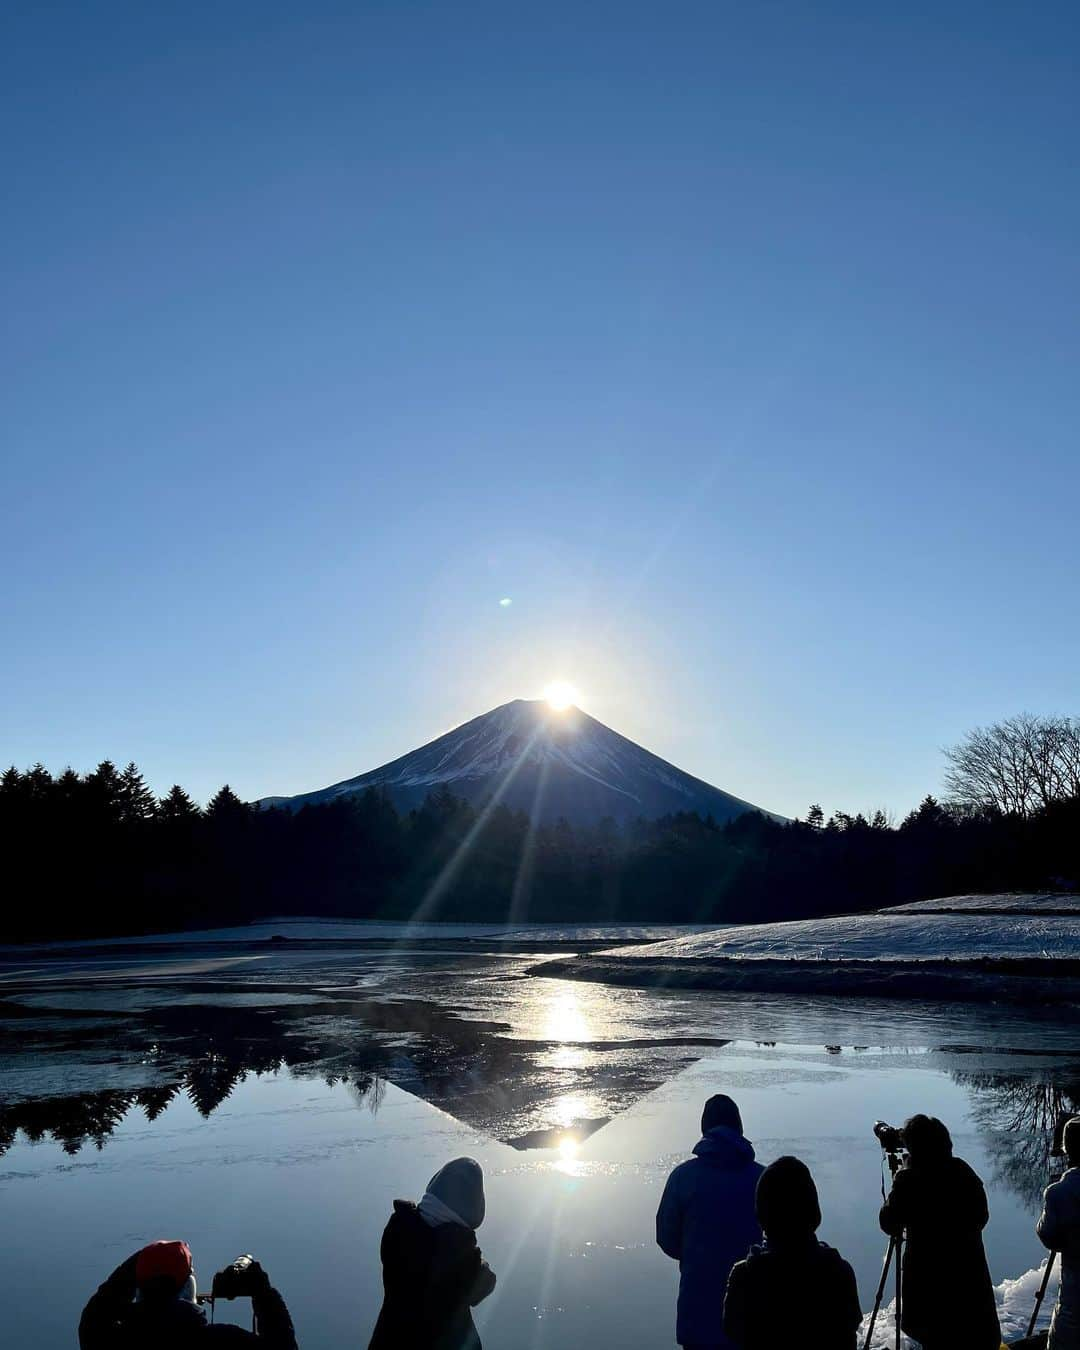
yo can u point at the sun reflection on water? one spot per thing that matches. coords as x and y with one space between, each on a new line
572 1013
576 1021
565 1018
568 1110
568 1161
566 1057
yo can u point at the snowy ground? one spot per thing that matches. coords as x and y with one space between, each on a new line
876 937
1016 902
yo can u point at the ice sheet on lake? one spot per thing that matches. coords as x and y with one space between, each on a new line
378 930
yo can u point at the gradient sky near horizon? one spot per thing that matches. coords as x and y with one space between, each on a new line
735 344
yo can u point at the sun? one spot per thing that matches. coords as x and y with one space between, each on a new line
561 694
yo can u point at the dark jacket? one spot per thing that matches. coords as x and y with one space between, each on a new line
432 1277
1059 1229
948 1293
112 1321
800 1294
706 1222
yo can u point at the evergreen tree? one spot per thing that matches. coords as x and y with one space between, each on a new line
154 1100
37 784
104 791
69 785
176 805
226 807
137 802
929 814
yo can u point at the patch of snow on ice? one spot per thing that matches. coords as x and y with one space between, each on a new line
1015 1301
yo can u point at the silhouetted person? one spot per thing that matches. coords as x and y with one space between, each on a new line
792 1290
1059 1229
706 1221
433 1273
948 1297
149 1301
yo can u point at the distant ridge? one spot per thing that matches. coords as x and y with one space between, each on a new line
549 764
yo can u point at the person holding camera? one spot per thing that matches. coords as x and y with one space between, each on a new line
939 1203
433 1272
150 1300
793 1289
1059 1230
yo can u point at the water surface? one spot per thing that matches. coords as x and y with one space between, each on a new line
279 1101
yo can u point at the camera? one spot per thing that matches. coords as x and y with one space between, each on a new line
241 1279
889 1137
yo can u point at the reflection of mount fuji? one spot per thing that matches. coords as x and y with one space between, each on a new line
548 764
472 1070
530 1092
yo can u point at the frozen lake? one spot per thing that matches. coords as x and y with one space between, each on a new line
279 1101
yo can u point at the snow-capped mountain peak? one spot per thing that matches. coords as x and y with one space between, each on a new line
548 763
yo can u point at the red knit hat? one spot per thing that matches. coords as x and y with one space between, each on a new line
164 1260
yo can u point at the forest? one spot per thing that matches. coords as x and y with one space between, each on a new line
96 854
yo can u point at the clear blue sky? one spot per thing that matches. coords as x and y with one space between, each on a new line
736 344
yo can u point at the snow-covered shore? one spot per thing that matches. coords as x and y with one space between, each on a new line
881 937
1025 947
1015 1301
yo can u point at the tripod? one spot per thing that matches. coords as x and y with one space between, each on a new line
1041 1294
895 1248
1057 1150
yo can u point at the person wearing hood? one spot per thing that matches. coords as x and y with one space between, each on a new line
433 1272
793 1289
1059 1229
706 1221
150 1300
940 1204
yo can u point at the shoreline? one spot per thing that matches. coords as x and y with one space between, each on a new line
1023 980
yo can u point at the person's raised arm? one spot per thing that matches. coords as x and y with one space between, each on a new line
454 1281
1050 1229
272 1319
893 1217
273 1325
97 1326
482 1285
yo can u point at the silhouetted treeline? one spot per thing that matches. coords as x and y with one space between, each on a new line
98 854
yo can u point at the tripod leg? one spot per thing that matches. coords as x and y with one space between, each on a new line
899 1286
880 1292
1042 1293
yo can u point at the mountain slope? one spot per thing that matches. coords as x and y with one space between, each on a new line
547 763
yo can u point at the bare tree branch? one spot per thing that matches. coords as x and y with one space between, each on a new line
1017 766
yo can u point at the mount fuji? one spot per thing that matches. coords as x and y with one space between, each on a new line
547 763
